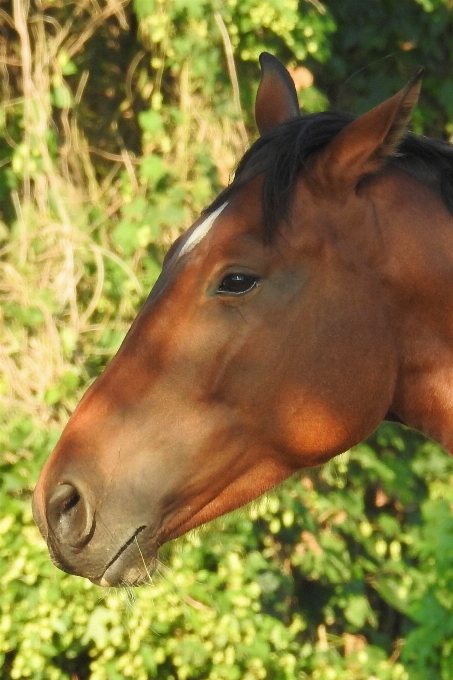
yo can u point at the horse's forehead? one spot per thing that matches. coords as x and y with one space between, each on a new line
201 231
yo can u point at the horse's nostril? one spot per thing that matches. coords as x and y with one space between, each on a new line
70 516
70 502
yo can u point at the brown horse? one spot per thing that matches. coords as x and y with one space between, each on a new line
309 302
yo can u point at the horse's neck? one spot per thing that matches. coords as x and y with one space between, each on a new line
417 229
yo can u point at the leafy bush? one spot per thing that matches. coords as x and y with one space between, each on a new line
118 123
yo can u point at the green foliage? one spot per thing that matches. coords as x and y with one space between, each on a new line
317 581
118 123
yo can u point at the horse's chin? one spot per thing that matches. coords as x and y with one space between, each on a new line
133 576
136 560
129 569
133 564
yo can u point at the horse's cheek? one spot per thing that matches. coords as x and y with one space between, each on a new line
340 382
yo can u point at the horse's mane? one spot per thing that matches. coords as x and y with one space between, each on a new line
283 152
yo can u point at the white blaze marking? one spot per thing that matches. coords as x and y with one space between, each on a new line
201 231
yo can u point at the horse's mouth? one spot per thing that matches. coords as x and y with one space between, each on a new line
129 566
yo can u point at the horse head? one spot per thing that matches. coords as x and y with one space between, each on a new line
267 345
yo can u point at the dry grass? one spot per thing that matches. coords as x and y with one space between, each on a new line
46 257
51 255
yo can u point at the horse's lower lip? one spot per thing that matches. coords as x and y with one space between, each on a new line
128 566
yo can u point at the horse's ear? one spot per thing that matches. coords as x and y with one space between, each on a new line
276 99
363 146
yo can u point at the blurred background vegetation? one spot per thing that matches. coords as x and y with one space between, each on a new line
119 121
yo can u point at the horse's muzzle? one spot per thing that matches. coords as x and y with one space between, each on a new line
79 542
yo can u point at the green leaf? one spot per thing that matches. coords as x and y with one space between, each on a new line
62 97
152 169
151 122
357 610
125 235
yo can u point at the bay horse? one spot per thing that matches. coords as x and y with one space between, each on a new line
311 300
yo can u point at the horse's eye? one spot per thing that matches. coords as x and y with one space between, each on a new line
237 284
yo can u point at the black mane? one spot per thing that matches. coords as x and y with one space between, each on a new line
283 152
